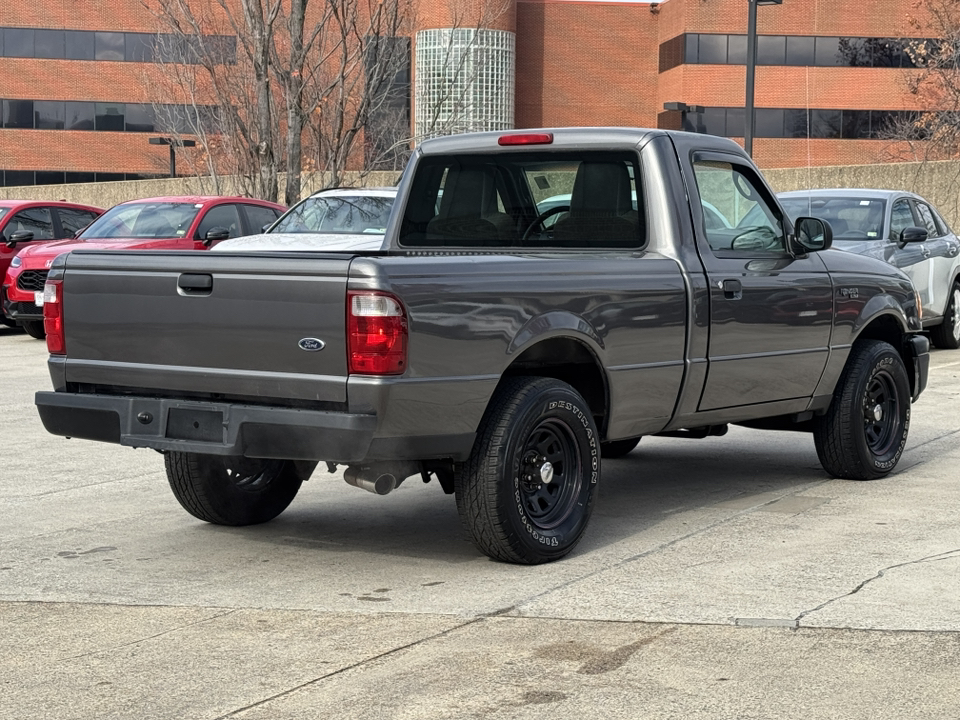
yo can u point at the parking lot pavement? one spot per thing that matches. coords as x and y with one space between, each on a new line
726 577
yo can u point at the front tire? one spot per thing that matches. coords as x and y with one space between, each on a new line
231 490
946 335
526 492
862 435
34 329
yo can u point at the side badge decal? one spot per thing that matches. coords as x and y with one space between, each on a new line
311 344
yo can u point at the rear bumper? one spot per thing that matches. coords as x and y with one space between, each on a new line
919 347
234 429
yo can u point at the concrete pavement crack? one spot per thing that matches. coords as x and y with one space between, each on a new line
150 637
666 544
947 555
352 666
938 438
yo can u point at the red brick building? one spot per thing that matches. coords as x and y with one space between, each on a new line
76 78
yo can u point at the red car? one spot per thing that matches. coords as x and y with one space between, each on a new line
24 223
163 223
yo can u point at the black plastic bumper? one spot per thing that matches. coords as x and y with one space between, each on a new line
919 347
256 431
208 427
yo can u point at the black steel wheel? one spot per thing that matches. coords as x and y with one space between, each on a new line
946 335
231 490
34 329
526 493
863 433
614 449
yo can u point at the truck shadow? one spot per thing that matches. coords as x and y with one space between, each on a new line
661 478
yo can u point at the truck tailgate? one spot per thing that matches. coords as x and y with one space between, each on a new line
231 325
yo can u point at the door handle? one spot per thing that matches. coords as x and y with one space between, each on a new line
195 284
732 289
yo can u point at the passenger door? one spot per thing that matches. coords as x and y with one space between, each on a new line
912 258
219 216
37 220
770 312
73 220
257 217
941 252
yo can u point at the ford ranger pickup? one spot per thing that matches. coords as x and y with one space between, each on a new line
502 342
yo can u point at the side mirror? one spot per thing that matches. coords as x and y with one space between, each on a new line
813 234
266 227
912 235
214 234
18 237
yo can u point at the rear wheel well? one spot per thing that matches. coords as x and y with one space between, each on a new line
572 362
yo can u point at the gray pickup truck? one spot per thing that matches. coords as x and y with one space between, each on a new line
542 300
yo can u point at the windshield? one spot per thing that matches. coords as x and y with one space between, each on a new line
143 220
849 218
3 211
347 214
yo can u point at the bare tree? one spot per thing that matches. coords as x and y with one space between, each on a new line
932 132
296 85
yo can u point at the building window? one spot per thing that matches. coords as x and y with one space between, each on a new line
109 46
795 50
18 114
49 115
115 46
106 117
49 44
789 122
78 45
18 42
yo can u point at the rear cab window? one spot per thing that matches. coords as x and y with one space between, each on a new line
581 200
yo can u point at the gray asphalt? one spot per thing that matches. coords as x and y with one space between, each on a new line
720 578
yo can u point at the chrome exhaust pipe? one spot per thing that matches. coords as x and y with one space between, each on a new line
371 479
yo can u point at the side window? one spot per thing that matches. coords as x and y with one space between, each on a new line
737 214
72 220
36 220
258 216
225 216
926 217
900 219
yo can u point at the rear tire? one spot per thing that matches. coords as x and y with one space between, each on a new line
231 490
862 435
618 448
34 329
946 335
8 322
526 492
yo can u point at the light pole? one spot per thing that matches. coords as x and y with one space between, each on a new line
174 143
748 115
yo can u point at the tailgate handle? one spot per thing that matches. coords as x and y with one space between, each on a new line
195 284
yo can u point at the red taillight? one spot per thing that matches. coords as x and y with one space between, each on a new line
53 317
526 139
376 334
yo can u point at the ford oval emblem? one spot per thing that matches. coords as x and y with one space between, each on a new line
311 344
